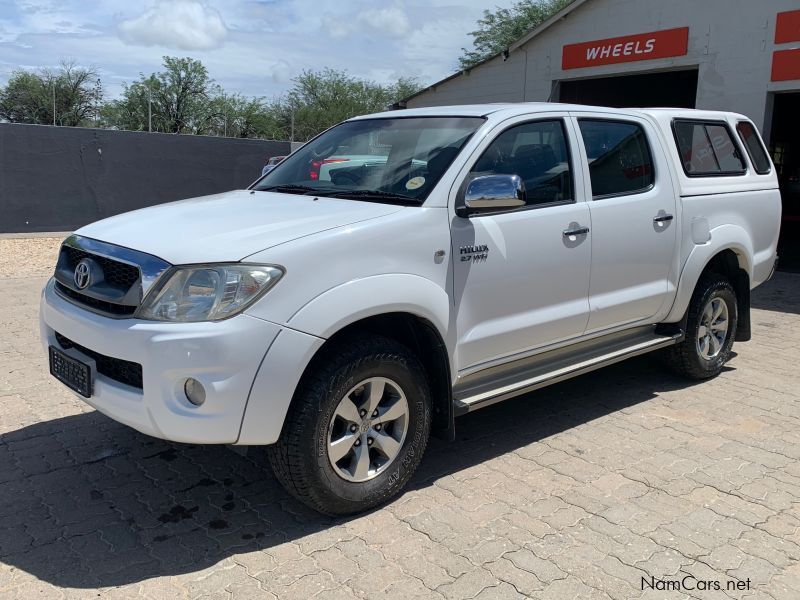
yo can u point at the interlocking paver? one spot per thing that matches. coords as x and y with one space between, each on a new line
576 491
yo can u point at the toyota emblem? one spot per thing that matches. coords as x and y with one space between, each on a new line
83 274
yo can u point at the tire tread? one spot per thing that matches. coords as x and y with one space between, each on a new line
288 457
682 357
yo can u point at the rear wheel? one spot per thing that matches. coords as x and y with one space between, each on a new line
710 330
357 428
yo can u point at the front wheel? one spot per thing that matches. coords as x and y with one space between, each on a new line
710 330
357 428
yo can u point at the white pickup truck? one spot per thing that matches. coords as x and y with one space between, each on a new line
490 250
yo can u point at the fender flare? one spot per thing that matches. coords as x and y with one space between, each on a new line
724 237
306 331
403 293
358 299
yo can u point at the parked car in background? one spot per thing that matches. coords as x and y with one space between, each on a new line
441 260
271 163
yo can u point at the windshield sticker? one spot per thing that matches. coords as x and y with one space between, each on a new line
414 183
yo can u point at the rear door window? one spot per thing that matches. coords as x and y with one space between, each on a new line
620 162
755 149
707 148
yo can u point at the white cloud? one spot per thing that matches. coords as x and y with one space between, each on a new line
184 24
259 45
338 28
282 72
392 21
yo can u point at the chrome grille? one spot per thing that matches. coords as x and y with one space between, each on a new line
115 272
118 277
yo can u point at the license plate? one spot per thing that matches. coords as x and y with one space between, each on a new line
71 372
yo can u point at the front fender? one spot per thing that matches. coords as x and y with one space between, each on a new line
306 331
724 237
358 299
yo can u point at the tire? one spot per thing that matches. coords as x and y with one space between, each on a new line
303 459
702 354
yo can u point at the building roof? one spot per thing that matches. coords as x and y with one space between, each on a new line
563 13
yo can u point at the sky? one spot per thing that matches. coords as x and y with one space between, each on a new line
253 47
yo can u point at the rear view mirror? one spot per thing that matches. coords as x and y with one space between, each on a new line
490 193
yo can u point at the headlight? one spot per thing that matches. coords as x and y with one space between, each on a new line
207 292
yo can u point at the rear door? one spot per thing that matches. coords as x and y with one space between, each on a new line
633 214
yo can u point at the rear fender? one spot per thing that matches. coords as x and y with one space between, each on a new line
724 237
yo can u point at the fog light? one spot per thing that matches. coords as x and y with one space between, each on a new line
195 392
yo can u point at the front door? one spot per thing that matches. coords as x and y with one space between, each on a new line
520 282
634 224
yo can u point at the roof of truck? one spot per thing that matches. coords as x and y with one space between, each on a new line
511 108
472 110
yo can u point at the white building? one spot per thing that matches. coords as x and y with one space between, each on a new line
739 55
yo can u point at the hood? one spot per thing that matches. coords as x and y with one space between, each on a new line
229 227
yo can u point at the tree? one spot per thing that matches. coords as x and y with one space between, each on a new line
184 99
180 99
28 97
238 116
130 112
320 99
500 28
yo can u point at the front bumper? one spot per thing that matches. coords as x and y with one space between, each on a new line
224 356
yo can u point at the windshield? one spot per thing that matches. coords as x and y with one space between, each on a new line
383 160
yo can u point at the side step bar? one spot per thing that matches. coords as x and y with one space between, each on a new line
552 367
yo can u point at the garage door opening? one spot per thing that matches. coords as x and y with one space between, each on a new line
675 88
785 149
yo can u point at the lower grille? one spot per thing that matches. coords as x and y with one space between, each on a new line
109 308
123 371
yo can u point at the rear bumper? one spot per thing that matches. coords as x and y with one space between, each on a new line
224 356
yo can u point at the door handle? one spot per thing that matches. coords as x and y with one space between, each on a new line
575 231
663 218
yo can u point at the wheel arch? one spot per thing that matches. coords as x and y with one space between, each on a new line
409 309
422 338
731 258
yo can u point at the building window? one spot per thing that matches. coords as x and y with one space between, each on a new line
536 151
620 162
707 149
755 149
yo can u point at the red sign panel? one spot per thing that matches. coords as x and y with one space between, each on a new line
787 27
786 65
629 48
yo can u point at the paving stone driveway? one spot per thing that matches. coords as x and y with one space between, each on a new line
582 490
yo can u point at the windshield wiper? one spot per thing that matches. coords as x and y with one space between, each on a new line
376 195
289 188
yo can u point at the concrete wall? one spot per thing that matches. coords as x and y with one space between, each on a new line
60 178
730 41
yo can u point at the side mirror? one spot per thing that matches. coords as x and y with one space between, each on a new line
490 193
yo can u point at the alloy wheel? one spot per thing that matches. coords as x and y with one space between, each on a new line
367 429
713 329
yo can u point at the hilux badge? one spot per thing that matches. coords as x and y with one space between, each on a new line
83 274
476 253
